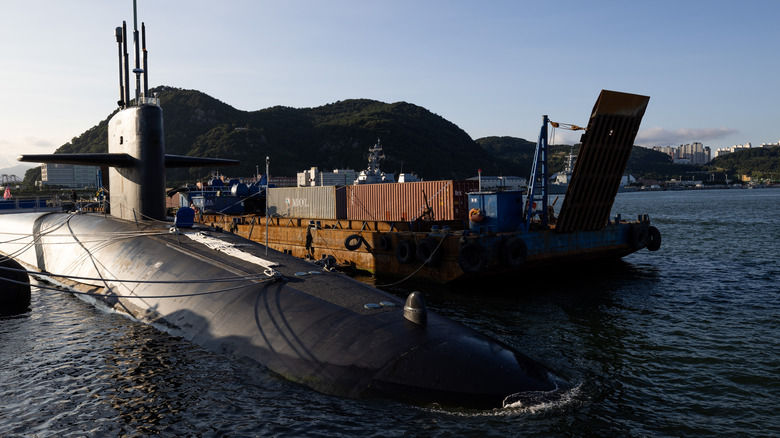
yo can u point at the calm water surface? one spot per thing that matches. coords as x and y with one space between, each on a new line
679 342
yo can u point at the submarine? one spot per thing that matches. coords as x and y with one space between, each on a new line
318 328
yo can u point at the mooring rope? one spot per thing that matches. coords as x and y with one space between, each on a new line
418 269
111 295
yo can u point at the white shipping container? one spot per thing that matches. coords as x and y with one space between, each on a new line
317 202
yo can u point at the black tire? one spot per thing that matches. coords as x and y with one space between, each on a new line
385 242
353 242
513 252
405 251
427 251
653 239
637 236
472 258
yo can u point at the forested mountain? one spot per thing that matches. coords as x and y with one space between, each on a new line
338 135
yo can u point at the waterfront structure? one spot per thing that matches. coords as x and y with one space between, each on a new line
69 175
313 177
499 183
282 181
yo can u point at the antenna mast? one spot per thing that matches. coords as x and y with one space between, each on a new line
119 38
146 70
137 70
124 62
126 66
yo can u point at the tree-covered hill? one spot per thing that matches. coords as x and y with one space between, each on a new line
338 135
757 163
514 156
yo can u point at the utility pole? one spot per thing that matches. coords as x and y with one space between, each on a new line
267 183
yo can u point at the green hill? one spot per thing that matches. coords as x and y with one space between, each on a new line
338 135
755 162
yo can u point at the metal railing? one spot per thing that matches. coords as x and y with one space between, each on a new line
37 203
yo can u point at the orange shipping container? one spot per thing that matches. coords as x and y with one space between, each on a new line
406 201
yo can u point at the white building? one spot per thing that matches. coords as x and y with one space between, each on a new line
732 149
313 177
693 153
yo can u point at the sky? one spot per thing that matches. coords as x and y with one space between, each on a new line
711 68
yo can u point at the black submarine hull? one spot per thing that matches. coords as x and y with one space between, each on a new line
233 296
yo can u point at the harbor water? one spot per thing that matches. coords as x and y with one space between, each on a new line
684 341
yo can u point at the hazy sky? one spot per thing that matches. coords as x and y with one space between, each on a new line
711 68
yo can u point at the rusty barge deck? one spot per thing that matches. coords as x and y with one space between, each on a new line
438 253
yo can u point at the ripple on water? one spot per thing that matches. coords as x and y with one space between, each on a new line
678 342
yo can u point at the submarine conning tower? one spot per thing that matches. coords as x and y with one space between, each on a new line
137 191
136 131
136 142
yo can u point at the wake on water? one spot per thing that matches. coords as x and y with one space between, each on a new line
528 402
539 401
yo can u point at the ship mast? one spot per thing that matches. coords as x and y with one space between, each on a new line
124 62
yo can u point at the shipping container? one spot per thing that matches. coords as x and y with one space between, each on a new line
393 202
319 202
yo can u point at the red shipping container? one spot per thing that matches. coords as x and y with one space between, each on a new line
394 202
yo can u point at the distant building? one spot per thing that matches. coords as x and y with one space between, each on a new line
668 150
69 175
283 181
693 153
313 177
501 182
732 149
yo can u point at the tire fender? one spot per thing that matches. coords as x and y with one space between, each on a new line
472 258
405 251
427 251
353 242
513 252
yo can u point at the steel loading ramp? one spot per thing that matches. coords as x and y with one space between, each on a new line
601 162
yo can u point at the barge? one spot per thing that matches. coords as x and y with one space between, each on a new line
447 231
